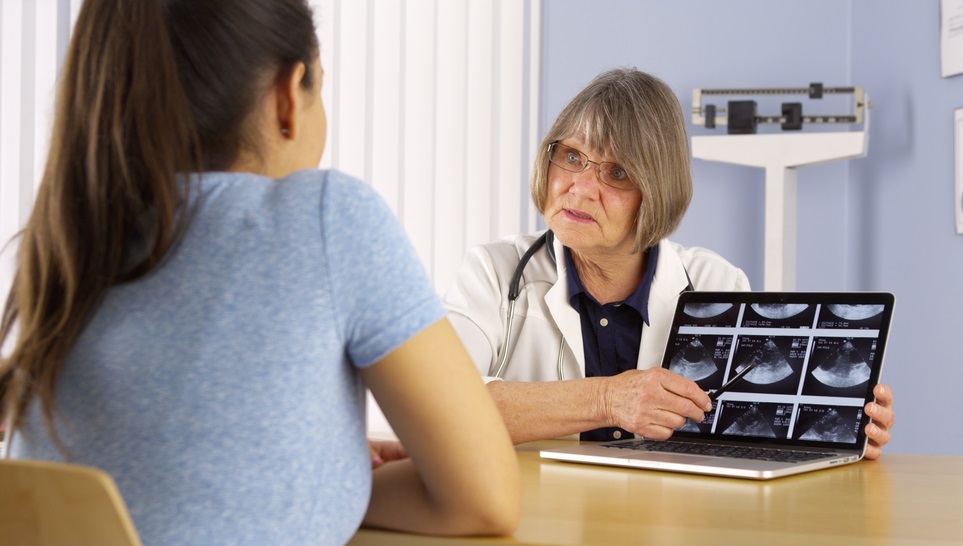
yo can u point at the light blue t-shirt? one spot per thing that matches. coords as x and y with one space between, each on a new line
221 391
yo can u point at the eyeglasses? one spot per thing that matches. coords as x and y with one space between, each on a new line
574 161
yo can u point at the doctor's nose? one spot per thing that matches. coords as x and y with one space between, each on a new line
586 182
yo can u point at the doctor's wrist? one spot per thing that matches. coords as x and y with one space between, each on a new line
603 411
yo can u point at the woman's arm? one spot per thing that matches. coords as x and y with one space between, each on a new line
462 476
651 403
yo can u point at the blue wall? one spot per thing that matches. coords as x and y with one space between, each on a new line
884 222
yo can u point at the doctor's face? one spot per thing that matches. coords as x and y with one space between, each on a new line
587 215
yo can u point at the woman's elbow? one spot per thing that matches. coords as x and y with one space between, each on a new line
498 516
490 507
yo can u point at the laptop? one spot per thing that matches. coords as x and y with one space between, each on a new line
816 357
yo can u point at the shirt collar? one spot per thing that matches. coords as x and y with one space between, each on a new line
638 300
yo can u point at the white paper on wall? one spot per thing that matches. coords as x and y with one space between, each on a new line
951 37
958 168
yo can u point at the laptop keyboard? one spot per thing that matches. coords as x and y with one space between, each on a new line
711 450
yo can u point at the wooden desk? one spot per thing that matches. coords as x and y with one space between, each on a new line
900 499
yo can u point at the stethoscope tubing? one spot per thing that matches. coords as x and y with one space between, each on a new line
547 239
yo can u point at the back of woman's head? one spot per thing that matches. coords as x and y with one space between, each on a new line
637 118
228 52
150 89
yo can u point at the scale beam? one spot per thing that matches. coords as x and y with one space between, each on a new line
741 116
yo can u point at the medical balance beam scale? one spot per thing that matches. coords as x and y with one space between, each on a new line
780 154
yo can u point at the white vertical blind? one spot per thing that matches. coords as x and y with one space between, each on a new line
419 118
510 105
385 138
33 38
348 149
451 129
479 105
434 103
13 86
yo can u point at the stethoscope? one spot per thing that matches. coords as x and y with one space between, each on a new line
547 239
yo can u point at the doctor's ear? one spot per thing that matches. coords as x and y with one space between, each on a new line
289 99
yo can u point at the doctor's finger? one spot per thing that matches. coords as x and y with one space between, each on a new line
882 409
877 434
388 450
654 431
682 407
873 451
882 416
663 425
670 413
689 390
884 395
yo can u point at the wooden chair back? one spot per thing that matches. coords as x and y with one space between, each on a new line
47 504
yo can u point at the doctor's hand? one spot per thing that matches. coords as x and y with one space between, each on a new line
385 451
883 418
652 403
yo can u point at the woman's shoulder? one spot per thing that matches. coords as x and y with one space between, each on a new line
510 245
694 254
505 250
707 266
298 182
342 197
328 182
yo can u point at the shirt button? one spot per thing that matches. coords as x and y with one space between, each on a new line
604 322
618 433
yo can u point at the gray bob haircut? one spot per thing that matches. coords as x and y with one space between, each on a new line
637 118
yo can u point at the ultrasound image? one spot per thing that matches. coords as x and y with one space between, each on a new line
701 358
855 312
779 315
758 419
779 311
779 367
772 366
706 310
704 426
844 367
828 423
709 314
851 316
694 361
751 423
840 367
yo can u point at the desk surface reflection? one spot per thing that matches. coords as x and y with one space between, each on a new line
900 499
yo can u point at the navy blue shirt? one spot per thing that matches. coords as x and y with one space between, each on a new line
611 333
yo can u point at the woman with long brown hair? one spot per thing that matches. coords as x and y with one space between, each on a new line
197 309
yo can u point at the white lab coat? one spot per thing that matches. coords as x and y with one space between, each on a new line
477 304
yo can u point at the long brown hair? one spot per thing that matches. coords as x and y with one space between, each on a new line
151 91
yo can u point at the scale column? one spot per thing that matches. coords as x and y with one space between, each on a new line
780 255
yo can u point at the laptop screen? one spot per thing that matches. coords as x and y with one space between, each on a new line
818 356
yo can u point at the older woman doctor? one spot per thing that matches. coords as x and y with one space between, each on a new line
580 348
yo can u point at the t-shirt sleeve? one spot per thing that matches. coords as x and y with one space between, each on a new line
382 293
